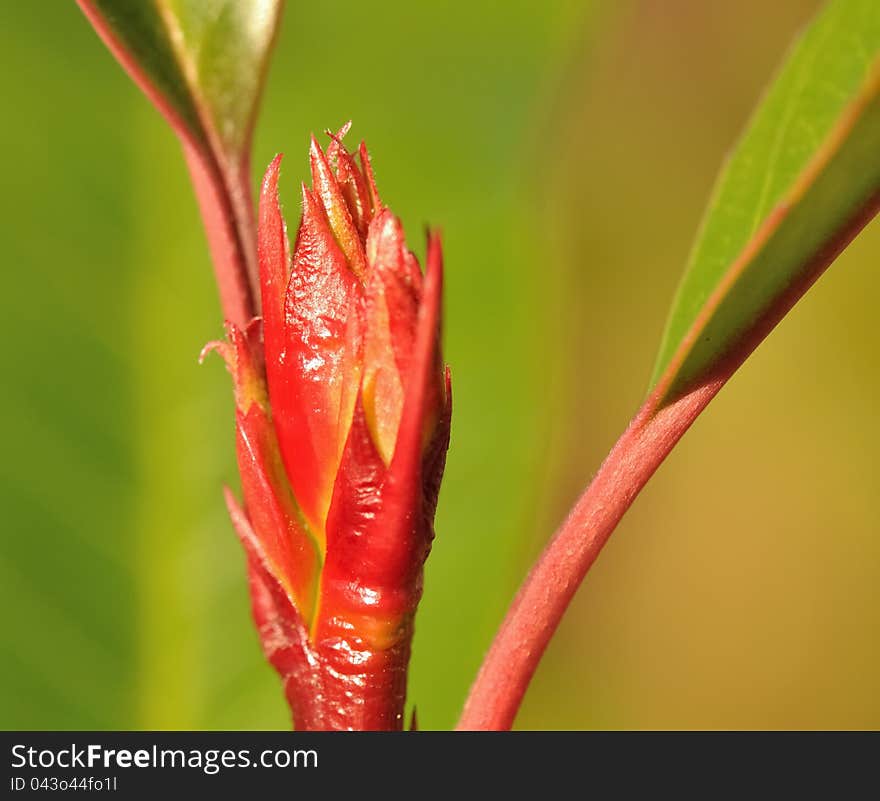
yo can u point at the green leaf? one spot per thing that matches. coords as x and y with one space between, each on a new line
201 61
802 182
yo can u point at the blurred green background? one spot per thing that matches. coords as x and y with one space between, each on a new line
567 150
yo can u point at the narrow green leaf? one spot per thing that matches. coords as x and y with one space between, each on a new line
204 60
801 183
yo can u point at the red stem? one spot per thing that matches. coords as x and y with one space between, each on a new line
227 209
544 596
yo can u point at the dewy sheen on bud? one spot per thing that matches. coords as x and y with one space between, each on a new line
342 410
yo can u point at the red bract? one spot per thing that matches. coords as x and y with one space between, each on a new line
343 409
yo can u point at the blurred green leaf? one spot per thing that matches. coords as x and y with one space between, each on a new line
201 61
801 183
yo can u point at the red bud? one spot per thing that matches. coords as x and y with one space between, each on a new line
341 461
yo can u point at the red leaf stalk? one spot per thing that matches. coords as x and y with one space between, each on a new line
532 619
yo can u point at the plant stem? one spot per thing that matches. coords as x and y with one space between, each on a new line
227 211
544 596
